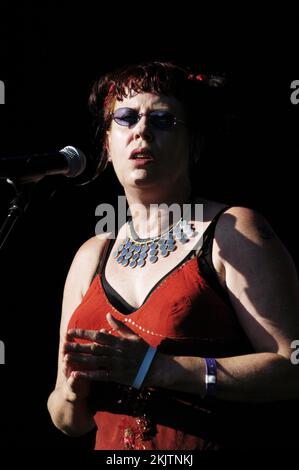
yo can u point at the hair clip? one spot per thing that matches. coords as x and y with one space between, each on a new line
199 77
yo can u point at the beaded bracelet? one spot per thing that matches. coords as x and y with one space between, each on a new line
144 367
210 376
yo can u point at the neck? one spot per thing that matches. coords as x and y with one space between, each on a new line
153 215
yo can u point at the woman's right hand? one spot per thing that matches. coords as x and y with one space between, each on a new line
76 387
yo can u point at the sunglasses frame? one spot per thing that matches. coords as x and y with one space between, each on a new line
148 114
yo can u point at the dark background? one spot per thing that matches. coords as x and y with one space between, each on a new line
49 56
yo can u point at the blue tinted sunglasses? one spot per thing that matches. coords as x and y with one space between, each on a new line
160 119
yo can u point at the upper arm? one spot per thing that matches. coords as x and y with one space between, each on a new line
261 280
78 280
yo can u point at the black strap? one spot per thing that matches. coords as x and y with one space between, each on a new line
205 261
103 259
105 256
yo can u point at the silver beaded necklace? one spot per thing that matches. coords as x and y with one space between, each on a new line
137 251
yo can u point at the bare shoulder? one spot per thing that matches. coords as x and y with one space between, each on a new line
85 263
246 243
242 236
245 226
90 251
236 220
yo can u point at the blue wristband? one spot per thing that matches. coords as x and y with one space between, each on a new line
144 368
211 376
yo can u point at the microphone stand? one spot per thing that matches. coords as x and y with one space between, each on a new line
17 208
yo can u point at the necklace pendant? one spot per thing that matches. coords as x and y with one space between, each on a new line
135 252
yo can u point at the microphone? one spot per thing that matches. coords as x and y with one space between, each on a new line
69 161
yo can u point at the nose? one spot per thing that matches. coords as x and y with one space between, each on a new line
143 129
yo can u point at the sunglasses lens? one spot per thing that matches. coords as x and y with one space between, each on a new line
128 117
125 117
162 120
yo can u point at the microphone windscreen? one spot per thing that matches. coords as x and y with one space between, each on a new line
76 161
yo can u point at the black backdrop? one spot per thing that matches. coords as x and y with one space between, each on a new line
49 57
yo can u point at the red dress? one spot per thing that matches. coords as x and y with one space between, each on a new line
183 315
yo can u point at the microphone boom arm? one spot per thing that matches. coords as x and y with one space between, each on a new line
17 207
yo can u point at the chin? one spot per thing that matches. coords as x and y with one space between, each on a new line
143 178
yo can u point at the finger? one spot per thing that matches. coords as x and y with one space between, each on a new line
119 327
80 360
73 378
67 367
71 383
77 387
93 335
97 375
88 362
92 348
65 370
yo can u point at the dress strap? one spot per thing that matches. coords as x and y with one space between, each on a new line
105 255
205 261
103 259
209 233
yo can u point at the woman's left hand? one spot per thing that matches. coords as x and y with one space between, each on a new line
106 357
